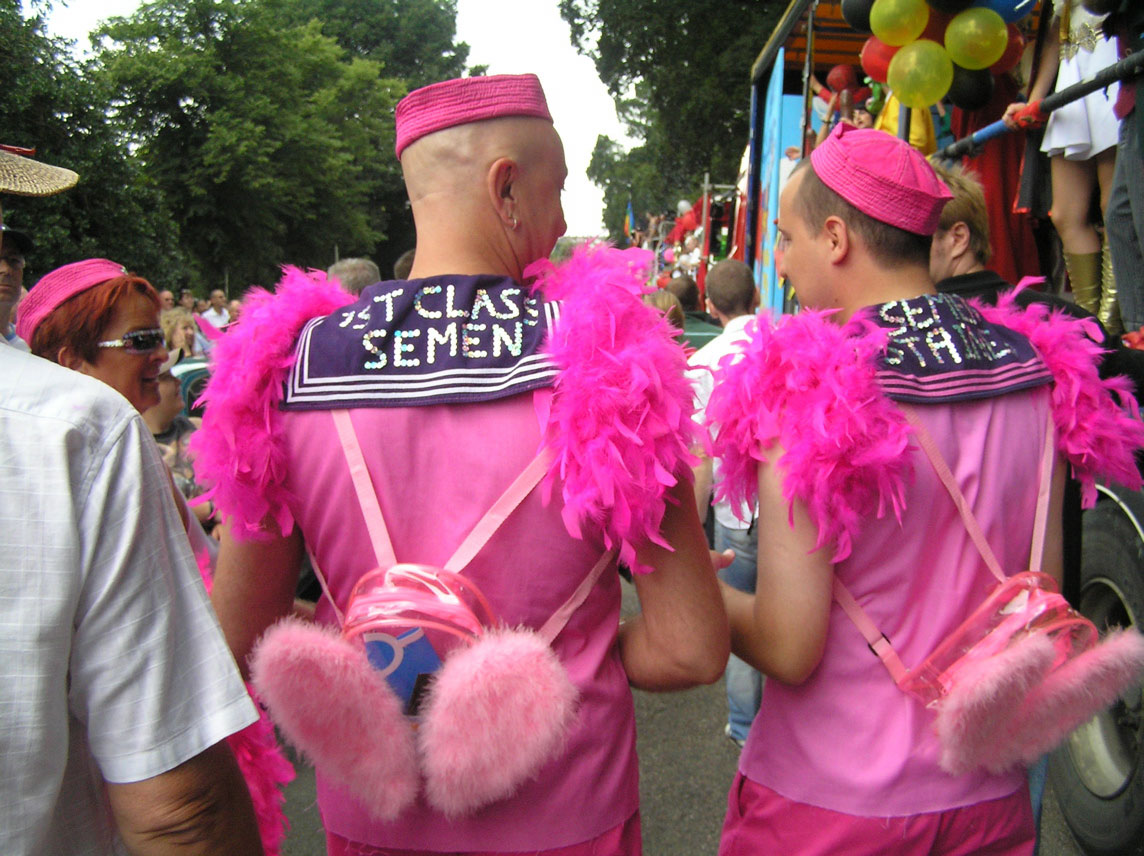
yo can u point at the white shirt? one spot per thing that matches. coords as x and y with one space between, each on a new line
218 319
112 665
702 371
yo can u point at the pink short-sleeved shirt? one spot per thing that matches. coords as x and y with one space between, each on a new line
848 739
436 470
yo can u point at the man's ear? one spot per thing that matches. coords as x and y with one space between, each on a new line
959 238
502 176
837 235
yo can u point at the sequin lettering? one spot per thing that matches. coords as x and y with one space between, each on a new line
388 299
419 308
447 336
435 327
469 343
368 344
401 347
515 344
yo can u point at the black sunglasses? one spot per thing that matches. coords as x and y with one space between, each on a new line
137 341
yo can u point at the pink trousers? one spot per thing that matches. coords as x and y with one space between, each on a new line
760 821
622 840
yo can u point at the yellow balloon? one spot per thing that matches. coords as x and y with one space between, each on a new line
920 73
976 38
898 22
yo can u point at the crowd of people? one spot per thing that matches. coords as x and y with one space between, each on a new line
470 451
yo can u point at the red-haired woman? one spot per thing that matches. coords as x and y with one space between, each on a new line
96 318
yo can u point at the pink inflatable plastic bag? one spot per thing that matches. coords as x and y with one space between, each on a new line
422 681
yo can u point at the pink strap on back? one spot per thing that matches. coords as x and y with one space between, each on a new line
480 534
363 487
877 640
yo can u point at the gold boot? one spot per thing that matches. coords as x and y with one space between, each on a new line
1109 314
1084 277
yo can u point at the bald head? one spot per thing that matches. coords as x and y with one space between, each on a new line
485 196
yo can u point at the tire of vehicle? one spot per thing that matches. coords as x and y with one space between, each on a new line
1098 773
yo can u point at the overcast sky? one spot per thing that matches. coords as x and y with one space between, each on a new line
495 31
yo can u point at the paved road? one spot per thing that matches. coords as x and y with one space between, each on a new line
686 766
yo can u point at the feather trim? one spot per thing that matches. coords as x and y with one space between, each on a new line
620 426
239 452
1097 421
808 386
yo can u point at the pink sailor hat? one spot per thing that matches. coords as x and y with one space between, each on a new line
467 99
881 176
57 286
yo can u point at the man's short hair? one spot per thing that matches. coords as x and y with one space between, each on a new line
731 287
404 264
967 206
888 245
354 274
685 289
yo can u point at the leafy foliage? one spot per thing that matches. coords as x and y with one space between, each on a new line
54 103
218 139
411 39
680 73
265 142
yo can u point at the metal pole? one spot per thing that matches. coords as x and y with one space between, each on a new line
1129 67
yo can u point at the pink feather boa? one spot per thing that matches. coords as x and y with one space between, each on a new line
1097 438
620 426
809 387
238 451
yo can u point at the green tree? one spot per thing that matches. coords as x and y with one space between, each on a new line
680 73
268 143
54 103
414 40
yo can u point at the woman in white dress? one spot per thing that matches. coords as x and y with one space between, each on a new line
1080 139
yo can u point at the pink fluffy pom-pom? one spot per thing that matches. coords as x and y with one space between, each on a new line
338 710
1070 696
497 712
973 720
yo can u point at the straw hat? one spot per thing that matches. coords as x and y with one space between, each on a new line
23 176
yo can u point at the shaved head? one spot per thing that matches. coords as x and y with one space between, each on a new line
485 196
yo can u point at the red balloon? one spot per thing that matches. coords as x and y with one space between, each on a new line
842 77
935 29
875 58
1013 52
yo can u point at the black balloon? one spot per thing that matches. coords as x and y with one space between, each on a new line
971 88
857 14
951 7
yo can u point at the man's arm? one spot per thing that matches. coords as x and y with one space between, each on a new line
680 637
200 808
254 587
781 629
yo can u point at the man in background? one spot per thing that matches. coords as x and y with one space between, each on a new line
14 248
354 274
733 299
699 328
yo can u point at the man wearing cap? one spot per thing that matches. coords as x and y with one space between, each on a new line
118 687
14 247
813 421
453 393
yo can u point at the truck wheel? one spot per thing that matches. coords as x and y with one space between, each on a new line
1098 773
